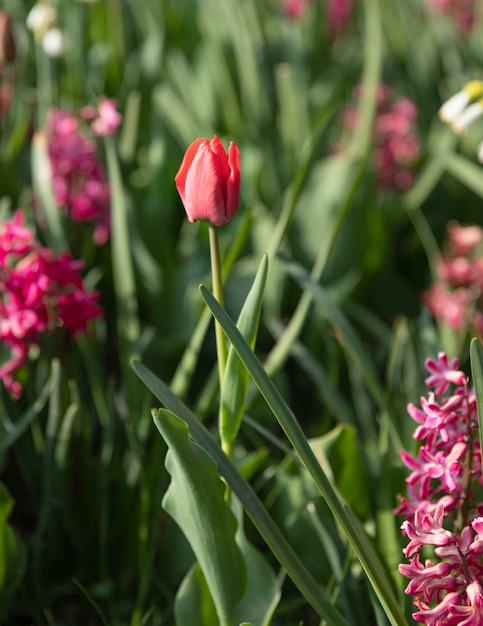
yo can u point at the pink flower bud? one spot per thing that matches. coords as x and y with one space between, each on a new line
107 118
208 181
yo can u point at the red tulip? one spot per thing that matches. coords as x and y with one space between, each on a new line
208 181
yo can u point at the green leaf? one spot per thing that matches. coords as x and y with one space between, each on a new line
193 602
194 605
195 500
345 332
467 172
42 180
236 379
339 447
260 517
12 552
263 590
10 436
476 358
127 319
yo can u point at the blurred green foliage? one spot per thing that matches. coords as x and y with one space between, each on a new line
342 331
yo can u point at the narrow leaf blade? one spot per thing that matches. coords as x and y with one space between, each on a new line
476 358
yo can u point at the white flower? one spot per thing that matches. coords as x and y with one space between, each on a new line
467 117
53 42
41 18
454 107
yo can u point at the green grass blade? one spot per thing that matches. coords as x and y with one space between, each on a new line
464 170
476 358
122 266
128 328
42 180
350 340
22 423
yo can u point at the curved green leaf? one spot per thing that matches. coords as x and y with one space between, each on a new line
195 500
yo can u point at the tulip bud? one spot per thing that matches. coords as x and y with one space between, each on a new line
208 181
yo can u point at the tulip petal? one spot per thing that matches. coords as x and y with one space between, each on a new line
233 182
180 178
203 193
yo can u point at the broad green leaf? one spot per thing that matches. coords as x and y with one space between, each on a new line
12 552
263 590
476 357
193 602
194 605
236 379
260 517
195 500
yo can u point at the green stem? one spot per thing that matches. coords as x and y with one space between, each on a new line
44 84
217 278
221 347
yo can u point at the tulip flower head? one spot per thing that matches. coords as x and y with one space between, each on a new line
208 181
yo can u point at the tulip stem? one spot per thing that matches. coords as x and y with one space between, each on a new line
221 347
217 279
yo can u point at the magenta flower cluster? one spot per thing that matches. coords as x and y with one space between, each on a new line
295 9
444 522
461 12
79 180
338 12
455 296
39 292
396 144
